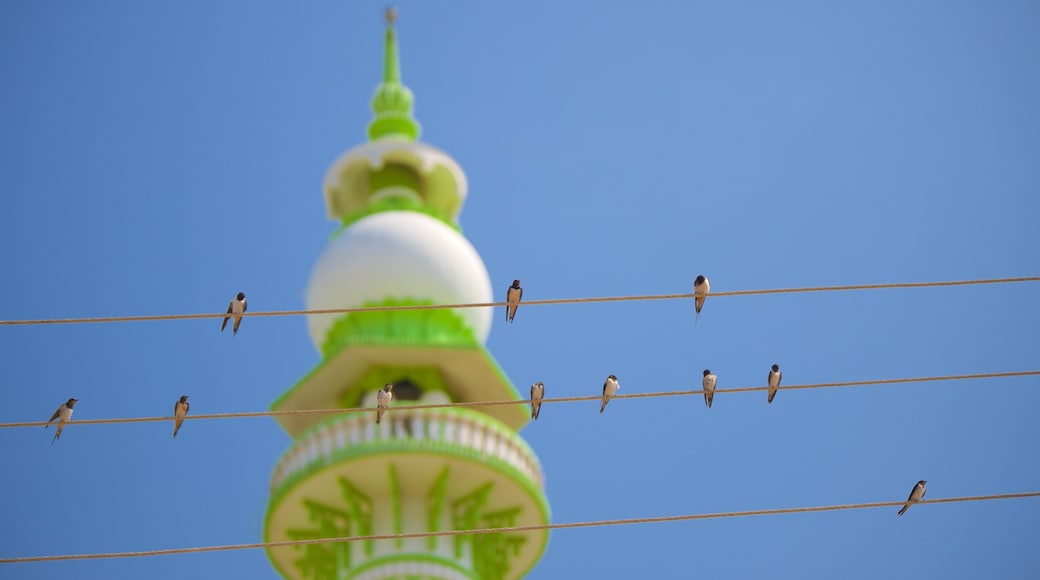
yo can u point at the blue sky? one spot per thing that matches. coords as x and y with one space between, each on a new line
158 157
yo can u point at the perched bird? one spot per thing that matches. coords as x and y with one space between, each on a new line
513 296
774 381
708 382
701 287
235 309
63 414
915 496
537 393
610 387
180 410
383 398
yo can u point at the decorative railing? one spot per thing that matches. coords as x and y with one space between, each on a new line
433 429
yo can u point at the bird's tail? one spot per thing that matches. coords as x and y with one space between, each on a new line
602 406
707 400
903 511
176 428
771 395
57 435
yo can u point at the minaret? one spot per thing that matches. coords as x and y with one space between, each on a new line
397 200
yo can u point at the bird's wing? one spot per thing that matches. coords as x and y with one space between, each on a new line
231 307
245 305
55 415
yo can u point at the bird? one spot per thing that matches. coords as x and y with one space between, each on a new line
701 287
610 386
774 381
915 496
180 410
537 393
513 296
708 382
383 398
63 414
235 309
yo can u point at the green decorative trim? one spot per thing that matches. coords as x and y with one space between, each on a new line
535 494
491 553
395 506
435 500
322 561
393 203
429 379
360 508
432 328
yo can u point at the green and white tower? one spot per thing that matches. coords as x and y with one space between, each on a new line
420 470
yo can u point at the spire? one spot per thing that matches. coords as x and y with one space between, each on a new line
392 101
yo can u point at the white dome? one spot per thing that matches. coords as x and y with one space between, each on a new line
399 255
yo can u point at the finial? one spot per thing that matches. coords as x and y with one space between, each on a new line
392 101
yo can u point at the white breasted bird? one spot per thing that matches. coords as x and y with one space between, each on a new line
915 496
610 387
537 394
774 381
708 383
701 287
383 398
180 411
513 296
234 310
63 414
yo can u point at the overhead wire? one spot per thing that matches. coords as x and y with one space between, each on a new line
511 529
332 411
722 294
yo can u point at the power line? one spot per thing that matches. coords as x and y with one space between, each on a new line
844 384
713 295
511 529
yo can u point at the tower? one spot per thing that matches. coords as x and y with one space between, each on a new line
456 468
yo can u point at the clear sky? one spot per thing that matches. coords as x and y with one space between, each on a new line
157 157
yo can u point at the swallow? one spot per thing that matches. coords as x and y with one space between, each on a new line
513 296
537 393
180 410
915 496
774 381
701 287
63 414
383 398
610 387
708 382
235 310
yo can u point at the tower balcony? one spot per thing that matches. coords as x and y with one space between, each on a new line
420 470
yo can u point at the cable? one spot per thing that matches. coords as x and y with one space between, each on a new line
512 529
525 303
528 401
